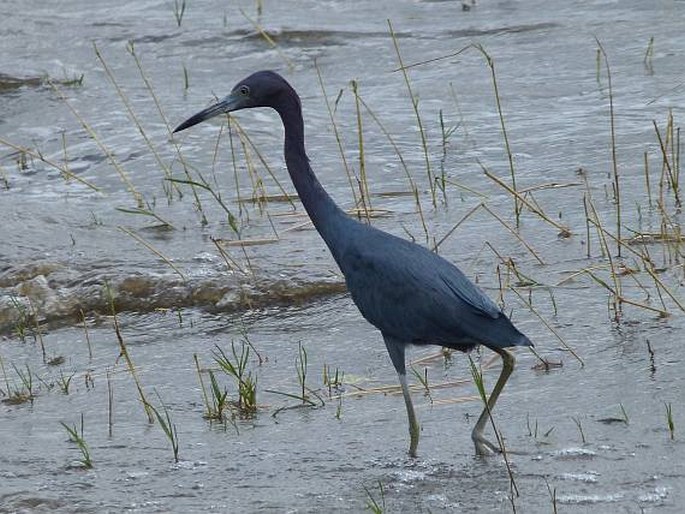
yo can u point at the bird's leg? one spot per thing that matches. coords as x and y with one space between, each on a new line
413 422
396 351
483 446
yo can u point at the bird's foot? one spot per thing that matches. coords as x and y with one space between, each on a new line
483 446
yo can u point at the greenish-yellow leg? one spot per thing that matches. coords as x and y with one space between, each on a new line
413 422
483 446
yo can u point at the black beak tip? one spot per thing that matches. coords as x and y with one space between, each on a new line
182 126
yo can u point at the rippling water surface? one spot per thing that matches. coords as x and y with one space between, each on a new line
100 206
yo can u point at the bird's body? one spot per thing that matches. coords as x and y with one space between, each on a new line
412 295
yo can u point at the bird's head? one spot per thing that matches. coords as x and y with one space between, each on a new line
261 89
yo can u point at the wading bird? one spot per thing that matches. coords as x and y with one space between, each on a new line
412 295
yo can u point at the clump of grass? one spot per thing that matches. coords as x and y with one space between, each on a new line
669 144
332 380
22 324
214 409
303 395
235 366
26 378
14 395
76 436
64 381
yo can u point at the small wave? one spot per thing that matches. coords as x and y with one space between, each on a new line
50 293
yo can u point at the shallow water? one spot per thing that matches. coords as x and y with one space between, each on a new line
588 438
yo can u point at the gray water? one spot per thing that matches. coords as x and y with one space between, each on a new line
581 438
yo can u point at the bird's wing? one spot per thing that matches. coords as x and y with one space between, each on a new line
467 291
405 289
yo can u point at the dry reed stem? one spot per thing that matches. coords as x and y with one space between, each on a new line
150 247
62 169
336 132
564 231
137 196
415 105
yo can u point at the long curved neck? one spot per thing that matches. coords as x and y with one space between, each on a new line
322 210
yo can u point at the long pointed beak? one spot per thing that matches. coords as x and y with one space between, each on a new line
230 103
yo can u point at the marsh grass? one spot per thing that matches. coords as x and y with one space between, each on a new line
167 425
76 436
123 352
86 334
235 366
552 496
64 381
624 414
215 409
4 178
301 367
415 105
446 134
372 504
154 250
110 404
64 171
179 11
614 156
412 184
669 144
265 35
26 379
106 151
579 426
17 395
670 423
423 380
332 381
131 112
305 393
649 54
510 156
21 325
336 132
364 195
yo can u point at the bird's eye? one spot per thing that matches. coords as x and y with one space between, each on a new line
244 90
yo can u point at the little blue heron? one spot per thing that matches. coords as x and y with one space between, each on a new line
412 295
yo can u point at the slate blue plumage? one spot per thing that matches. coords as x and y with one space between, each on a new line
412 295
